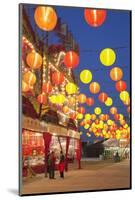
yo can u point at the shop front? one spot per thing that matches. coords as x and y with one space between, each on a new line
40 138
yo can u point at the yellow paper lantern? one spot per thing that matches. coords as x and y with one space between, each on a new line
124 95
107 57
87 116
60 99
121 117
71 88
25 87
125 126
86 126
52 99
45 18
86 76
79 116
97 110
30 78
109 122
109 101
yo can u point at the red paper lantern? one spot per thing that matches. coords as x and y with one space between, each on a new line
57 78
42 99
89 101
120 86
81 110
71 59
94 17
116 117
47 87
102 97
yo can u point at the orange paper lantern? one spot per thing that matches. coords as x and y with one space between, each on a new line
34 60
94 87
47 87
42 99
116 74
81 110
94 17
71 59
45 17
89 101
102 97
82 98
30 78
113 110
25 87
120 86
65 109
57 78
116 117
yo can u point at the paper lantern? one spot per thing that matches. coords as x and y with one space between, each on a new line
71 101
65 109
121 117
34 60
93 117
109 122
72 115
107 57
25 87
52 99
120 86
60 99
45 17
89 101
116 117
86 76
87 116
116 74
94 18
94 87
124 95
42 99
82 98
47 87
57 78
81 110
71 59
29 78
128 109
122 122
97 110
82 123
79 116
86 126
127 102
101 117
102 97
106 117
71 88
109 101
113 110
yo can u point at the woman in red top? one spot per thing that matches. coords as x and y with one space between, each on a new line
62 165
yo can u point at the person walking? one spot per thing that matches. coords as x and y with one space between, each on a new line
62 164
51 165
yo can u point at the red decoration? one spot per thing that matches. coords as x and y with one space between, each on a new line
47 87
102 97
42 99
89 101
116 117
120 86
73 116
95 17
57 78
71 59
81 110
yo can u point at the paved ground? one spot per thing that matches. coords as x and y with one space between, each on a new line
94 175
